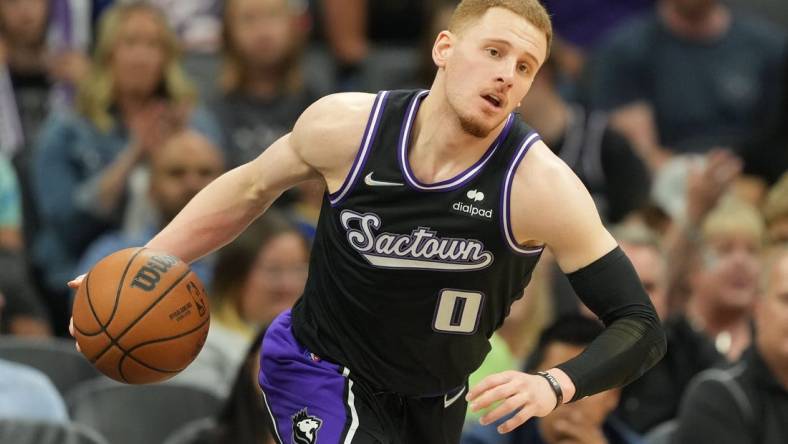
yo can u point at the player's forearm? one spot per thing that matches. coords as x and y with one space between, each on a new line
215 216
633 340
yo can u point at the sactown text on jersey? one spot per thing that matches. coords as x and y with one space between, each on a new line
421 249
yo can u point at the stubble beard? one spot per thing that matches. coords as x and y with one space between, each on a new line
474 127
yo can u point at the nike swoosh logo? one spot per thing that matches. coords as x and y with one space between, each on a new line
449 401
378 183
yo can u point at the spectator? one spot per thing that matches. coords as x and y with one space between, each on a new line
26 393
24 314
10 208
264 89
689 77
259 275
373 42
180 168
774 10
724 276
35 70
244 418
579 26
654 398
198 24
775 212
587 421
644 249
765 155
614 174
748 403
256 277
135 97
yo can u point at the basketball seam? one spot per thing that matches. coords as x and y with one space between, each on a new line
114 307
127 353
142 315
92 310
86 334
120 285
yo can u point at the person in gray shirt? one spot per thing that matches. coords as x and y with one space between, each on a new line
688 77
262 83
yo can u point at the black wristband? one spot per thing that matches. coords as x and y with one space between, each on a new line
559 394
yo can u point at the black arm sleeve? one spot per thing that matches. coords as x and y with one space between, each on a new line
633 340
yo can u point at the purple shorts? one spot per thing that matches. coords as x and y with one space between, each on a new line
312 400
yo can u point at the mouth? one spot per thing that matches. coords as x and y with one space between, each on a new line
493 99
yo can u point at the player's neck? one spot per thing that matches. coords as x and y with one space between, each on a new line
440 148
707 27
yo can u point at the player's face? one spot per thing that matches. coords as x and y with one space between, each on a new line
262 31
277 278
731 270
489 67
771 314
23 21
138 57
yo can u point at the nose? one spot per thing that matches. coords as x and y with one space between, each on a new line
506 75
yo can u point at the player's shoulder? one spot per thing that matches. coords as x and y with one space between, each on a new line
543 174
328 133
336 114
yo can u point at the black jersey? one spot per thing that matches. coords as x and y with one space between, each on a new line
409 280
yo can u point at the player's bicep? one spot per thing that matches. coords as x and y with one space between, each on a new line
279 168
556 209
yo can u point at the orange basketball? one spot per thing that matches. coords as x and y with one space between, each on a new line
141 316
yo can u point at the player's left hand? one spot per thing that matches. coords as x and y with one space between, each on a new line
530 394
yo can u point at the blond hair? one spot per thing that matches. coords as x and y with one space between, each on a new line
96 92
233 70
734 216
469 11
776 205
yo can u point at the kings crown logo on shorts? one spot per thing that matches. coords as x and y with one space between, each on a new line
305 427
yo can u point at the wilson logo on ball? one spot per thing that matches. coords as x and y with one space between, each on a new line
150 274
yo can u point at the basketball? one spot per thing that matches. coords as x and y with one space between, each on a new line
141 316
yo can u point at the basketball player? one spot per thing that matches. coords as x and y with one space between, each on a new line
439 205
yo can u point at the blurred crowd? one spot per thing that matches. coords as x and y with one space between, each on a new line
674 114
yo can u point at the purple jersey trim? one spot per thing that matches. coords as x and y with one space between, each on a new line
506 226
363 153
450 184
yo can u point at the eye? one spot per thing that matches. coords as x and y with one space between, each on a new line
523 68
493 52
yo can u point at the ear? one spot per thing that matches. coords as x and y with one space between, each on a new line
443 47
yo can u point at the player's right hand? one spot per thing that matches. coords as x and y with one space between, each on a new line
74 283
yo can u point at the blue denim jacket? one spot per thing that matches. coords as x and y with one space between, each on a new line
69 160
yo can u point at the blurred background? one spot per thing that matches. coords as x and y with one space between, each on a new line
113 114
